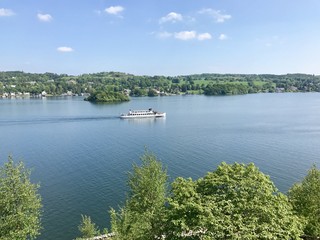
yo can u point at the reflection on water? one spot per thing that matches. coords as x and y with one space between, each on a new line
138 121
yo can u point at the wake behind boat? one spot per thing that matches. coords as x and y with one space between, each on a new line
142 114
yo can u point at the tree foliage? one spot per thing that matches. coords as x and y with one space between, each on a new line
87 228
226 89
152 93
20 203
208 83
234 202
305 197
143 212
107 97
138 92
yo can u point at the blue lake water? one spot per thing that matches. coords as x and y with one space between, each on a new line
80 152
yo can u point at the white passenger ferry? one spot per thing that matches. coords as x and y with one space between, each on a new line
143 114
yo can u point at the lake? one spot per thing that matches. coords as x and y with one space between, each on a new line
80 152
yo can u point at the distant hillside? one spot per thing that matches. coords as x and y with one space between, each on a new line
206 83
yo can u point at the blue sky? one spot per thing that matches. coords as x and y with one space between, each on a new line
160 37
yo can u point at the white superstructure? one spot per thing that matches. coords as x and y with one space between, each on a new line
143 114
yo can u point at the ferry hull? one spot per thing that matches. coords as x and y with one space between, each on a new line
157 115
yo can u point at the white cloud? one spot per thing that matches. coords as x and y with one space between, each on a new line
223 36
64 49
204 36
114 10
164 35
6 12
44 17
171 17
216 14
185 35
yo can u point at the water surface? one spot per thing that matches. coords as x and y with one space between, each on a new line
80 152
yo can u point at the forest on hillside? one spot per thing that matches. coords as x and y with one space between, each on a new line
134 85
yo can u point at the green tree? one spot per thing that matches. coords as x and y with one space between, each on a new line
20 203
141 216
138 92
234 202
305 197
87 228
152 93
1 88
107 97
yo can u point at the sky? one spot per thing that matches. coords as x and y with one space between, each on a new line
160 37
